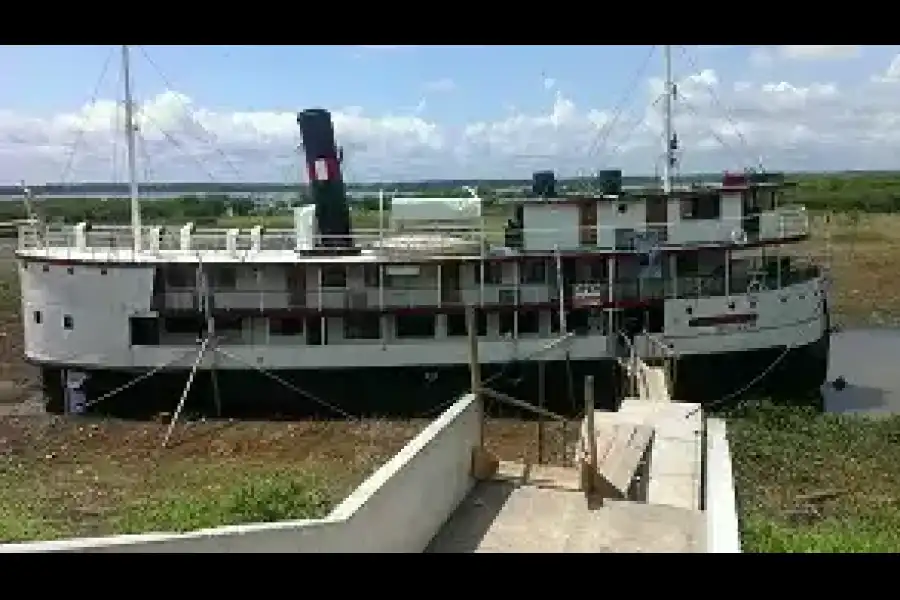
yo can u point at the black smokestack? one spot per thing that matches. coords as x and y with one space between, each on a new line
326 184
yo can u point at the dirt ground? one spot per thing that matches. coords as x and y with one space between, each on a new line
62 477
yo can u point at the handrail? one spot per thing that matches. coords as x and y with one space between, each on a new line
780 223
521 404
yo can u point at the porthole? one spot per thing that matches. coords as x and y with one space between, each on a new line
67 322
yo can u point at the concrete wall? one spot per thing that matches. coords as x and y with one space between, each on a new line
722 529
398 509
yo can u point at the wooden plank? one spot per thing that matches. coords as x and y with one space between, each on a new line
620 448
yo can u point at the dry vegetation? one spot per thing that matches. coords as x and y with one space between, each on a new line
862 251
64 477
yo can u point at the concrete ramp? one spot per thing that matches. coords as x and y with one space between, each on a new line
503 516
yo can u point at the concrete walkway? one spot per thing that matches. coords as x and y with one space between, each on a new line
501 516
542 509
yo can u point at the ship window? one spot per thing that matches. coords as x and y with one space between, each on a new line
687 264
765 199
456 324
194 325
38 317
229 324
334 276
285 326
533 271
415 326
67 322
362 326
554 321
45 268
180 276
507 325
370 275
144 331
224 277
529 322
70 270
701 208
493 273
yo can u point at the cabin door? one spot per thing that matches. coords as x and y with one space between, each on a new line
296 283
657 211
588 223
751 212
450 293
658 219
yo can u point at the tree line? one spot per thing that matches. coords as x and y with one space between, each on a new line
839 192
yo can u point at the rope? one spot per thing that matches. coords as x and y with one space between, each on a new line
288 384
139 379
753 382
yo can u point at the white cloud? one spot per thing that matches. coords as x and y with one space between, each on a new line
791 125
819 52
892 73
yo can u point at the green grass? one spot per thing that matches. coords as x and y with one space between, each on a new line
811 482
179 500
81 477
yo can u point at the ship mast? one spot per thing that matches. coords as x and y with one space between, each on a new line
670 141
130 130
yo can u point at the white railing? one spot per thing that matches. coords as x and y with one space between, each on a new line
115 242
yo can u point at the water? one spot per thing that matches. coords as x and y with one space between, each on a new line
868 360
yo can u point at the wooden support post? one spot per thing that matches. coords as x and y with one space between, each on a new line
589 468
484 464
474 364
541 401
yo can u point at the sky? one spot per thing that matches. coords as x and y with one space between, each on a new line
228 113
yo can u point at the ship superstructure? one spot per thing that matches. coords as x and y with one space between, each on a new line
373 320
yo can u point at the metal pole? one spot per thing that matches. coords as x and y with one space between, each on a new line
667 164
130 129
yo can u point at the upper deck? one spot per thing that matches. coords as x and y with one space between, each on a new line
560 231
736 213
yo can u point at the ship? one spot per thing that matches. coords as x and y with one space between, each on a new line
333 320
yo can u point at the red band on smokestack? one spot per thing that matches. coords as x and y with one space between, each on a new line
325 168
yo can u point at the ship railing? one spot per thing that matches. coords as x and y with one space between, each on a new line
356 298
584 294
599 293
117 241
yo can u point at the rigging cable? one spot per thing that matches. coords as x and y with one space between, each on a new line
168 83
79 136
721 107
598 145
